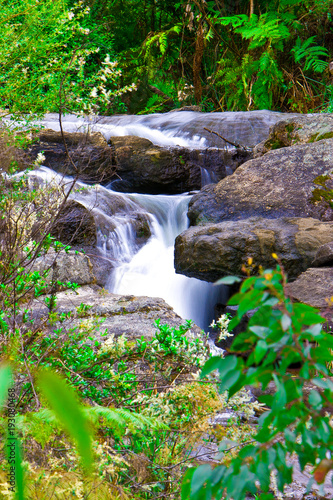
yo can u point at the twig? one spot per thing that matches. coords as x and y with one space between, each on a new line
226 140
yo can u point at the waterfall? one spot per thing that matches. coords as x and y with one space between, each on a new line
178 128
150 270
147 269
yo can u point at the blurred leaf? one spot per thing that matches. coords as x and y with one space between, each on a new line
64 404
5 383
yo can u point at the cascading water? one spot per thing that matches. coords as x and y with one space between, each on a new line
148 269
151 272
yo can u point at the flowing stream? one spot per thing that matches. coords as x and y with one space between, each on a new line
148 269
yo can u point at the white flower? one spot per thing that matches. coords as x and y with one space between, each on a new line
93 93
70 15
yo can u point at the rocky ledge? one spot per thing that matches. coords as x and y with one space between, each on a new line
118 314
215 250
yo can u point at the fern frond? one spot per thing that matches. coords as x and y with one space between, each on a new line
120 419
311 54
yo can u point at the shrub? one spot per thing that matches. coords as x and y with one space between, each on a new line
283 344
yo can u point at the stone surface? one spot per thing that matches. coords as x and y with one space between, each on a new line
313 287
75 225
91 157
297 130
146 168
212 251
64 267
123 314
324 255
279 184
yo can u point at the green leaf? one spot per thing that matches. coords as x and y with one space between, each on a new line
199 479
63 402
5 383
260 351
14 458
228 280
222 364
260 331
186 484
229 379
211 364
315 399
285 322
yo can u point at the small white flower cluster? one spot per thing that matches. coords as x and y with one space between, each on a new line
222 324
39 160
114 346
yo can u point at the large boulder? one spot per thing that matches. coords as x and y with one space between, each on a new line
279 184
146 168
297 130
75 225
215 250
64 267
121 314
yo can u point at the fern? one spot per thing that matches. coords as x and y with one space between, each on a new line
311 54
121 420
43 425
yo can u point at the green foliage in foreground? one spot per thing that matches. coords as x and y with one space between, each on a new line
281 337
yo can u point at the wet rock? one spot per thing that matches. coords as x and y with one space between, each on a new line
145 168
279 184
212 251
297 130
90 156
122 314
75 225
324 255
313 287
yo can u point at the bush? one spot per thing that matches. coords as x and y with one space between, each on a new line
283 344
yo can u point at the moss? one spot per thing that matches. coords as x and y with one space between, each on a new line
313 138
328 135
290 128
277 144
317 137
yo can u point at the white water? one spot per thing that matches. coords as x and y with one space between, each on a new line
177 128
148 270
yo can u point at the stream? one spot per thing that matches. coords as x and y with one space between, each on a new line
148 269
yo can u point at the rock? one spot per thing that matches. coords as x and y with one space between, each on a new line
215 250
297 130
129 315
75 225
313 287
65 267
324 255
91 157
145 168
279 184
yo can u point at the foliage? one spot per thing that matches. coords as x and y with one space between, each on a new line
281 337
49 62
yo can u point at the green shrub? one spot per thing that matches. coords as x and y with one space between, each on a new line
281 336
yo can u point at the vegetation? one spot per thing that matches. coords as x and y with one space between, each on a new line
136 411
240 55
284 344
